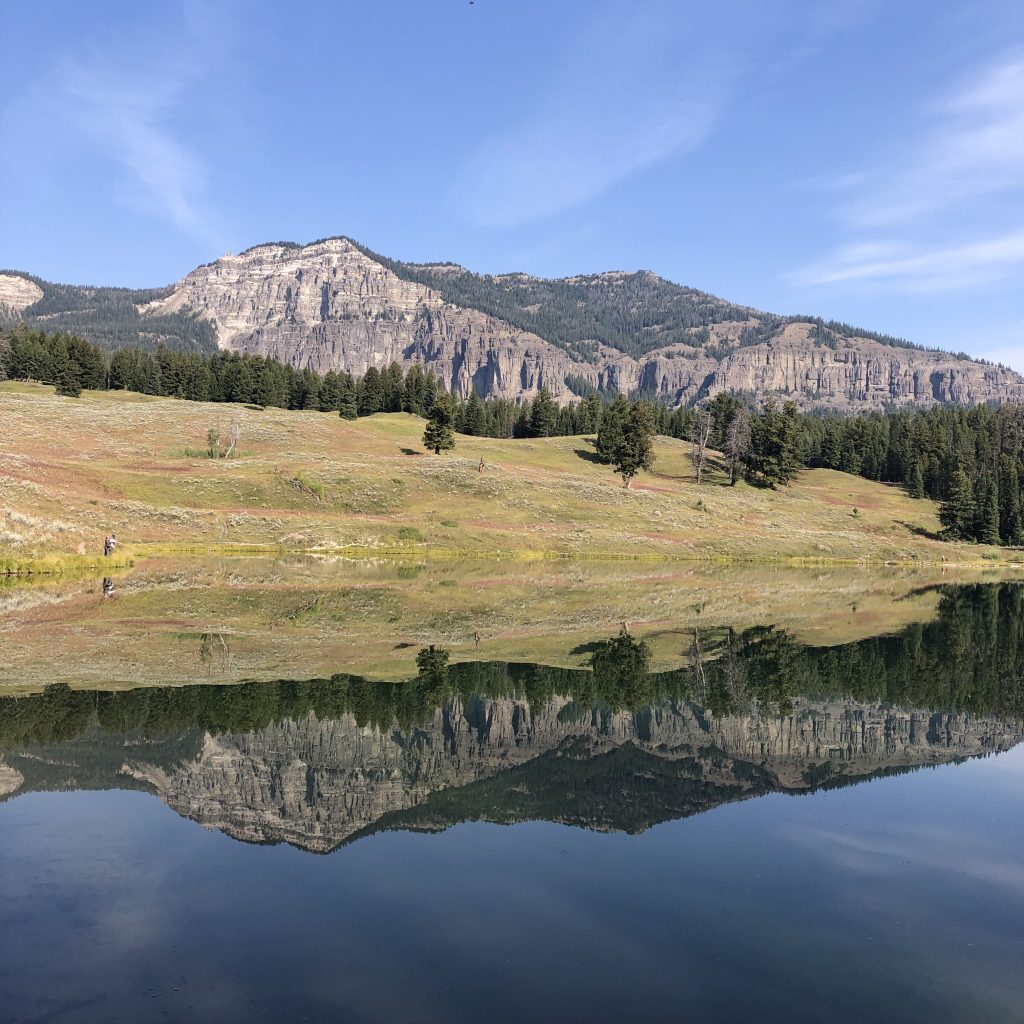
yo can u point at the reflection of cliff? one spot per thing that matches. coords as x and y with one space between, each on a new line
317 784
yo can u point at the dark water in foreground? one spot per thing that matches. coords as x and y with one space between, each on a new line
772 832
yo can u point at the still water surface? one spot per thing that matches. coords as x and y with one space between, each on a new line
772 832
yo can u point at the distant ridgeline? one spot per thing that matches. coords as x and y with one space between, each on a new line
971 460
969 660
110 317
635 313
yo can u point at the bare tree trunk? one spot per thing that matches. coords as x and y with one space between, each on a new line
234 434
700 435
738 441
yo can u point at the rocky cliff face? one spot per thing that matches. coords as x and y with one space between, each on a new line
317 784
17 292
330 305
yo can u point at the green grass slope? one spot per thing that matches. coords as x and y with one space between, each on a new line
71 470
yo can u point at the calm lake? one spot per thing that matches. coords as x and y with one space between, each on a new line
770 831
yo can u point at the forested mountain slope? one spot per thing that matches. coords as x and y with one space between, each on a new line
334 304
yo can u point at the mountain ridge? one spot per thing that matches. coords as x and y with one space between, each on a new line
334 304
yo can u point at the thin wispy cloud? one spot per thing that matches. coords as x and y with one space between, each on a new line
931 200
88 106
975 147
921 269
128 119
625 103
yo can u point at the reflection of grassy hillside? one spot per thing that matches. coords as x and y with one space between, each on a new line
72 469
224 620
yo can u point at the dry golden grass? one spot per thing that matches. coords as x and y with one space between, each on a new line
71 470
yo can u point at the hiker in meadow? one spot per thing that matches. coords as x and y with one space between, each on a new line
109 544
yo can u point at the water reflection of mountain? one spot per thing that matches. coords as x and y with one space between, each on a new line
319 783
322 762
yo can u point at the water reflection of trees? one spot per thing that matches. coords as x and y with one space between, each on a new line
970 659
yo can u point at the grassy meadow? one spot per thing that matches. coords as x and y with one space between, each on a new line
73 469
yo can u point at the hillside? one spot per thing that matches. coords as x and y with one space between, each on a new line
109 317
334 304
72 469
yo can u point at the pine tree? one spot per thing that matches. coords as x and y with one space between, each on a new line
474 417
393 381
588 414
774 456
414 391
958 512
831 448
439 434
609 433
347 397
1011 515
69 384
915 483
329 392
634 450
986 529
370 397
543 415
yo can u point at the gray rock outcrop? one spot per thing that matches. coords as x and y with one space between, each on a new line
317 784
330 305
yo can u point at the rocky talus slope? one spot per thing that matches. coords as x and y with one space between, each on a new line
331 305
317 784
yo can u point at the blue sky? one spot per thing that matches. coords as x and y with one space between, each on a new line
855 159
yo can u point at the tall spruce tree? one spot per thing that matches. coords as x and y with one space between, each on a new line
609 433
634 450
473 419
439 434
1011 514
959 511
774 455
370 396
543 415
69 383
986 529
915 481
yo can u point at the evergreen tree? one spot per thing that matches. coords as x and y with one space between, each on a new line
474 417
986 529
347 397
634 450
69 384
774 456
329 393
414 391
609 433
588 416
393 382
915 483
1011 515
439 434
959 511
370 396
543 415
